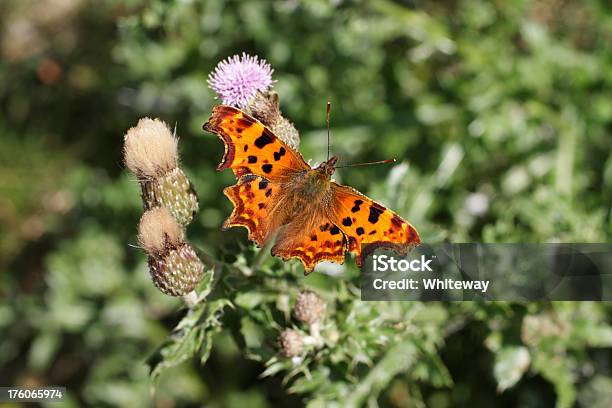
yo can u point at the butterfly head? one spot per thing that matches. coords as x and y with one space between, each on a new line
327 168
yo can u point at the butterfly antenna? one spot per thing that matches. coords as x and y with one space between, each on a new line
327 111
368 163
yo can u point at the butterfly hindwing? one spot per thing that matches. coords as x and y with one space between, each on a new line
311 242
253 198
364 221
251 148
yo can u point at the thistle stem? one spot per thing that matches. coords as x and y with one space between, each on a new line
191 299
262 255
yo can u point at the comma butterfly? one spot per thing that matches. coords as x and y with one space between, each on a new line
277 191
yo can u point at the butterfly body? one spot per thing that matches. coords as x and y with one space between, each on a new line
277 192
317 182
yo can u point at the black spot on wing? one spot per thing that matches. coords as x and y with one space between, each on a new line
243 122
269 192
360 231
335 230
252 159
356 205
267 168
375 211
347 222
279 154
263 184
264 139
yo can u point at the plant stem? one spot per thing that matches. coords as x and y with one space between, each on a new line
191 299
263 254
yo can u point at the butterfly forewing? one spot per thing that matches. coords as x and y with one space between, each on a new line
251 148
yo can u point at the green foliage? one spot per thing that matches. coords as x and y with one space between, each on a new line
498 113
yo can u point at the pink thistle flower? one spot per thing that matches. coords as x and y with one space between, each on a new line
238 78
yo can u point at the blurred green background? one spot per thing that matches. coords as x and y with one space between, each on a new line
500 116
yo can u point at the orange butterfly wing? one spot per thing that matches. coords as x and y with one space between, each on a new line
254 199
251 148
311 238
311 241
364 221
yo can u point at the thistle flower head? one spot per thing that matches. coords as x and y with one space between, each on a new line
158 230
150 148
238 78
173 264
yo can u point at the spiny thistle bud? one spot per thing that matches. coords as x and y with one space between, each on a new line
173 191
309 307
265 108
174 266
290 343
150 152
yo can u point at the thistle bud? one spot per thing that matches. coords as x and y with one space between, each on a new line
150 152
173 191
290 343
309 307
173 264
265 108
286 131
